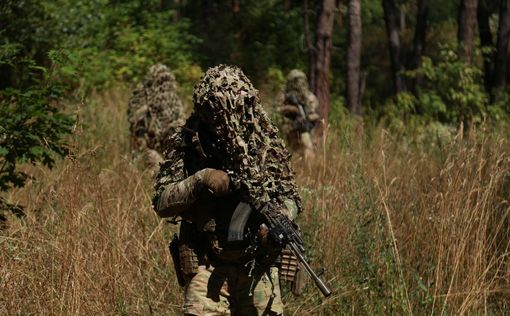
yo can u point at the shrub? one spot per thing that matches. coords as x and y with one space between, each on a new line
32 129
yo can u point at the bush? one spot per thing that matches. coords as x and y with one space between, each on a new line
129 37
451 93
32 129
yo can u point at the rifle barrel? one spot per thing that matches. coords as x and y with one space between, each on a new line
318 281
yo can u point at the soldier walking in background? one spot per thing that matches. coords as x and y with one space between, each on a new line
154 112
227 161
299 107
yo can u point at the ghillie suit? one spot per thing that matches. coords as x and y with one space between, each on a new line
299 107
257 163
228 133
254 155
155 111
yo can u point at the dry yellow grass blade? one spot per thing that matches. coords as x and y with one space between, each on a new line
91 244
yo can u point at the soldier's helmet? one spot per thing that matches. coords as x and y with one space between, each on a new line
225 99
296 80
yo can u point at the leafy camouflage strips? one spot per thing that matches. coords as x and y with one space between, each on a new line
155 110
254 155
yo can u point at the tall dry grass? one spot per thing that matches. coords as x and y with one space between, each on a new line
401 227
90 244
411 228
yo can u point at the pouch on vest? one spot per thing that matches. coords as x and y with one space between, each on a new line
176 258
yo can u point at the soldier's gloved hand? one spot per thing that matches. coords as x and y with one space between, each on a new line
217 181
289 110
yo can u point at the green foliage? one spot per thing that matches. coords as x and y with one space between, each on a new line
451 92
275 80
187 75
32 129
500 109
255 35
129 37
273 37
338 113
24 32
276 76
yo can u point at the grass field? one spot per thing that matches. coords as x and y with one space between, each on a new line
403 226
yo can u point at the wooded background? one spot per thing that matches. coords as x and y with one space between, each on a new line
372 57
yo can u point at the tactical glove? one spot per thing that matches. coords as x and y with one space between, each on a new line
290 111
217 181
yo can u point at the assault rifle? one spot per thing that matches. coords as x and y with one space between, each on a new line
303 124
281 230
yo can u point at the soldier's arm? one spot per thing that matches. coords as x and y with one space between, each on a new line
289 110
176 198
291 209
312 108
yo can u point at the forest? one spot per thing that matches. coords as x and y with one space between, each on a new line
406 206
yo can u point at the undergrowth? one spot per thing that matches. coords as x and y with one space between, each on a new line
400 226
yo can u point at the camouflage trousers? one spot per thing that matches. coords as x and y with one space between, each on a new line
225 290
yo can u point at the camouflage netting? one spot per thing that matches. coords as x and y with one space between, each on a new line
155 110
253 154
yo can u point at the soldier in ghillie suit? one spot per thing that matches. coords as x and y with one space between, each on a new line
227 163
155 111
299 107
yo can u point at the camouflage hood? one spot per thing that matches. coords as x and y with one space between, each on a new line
251 150
297 83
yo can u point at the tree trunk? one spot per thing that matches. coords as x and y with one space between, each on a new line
466 30
485 33
236 6
397 68
354 57
502 45
420 35
323 57
309 46
338 23
176 7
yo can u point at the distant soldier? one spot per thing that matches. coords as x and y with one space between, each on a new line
299 107
155 111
